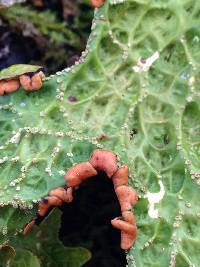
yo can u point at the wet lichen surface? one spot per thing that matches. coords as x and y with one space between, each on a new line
136 92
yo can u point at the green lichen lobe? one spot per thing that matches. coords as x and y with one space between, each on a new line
16 70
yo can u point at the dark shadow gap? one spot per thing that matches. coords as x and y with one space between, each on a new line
86 222
51 34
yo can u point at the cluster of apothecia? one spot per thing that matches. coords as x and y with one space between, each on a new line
105 161
27 76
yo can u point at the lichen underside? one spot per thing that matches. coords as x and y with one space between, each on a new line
149 118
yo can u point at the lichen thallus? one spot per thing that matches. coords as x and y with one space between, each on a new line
101 160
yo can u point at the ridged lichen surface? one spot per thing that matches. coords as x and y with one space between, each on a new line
136 91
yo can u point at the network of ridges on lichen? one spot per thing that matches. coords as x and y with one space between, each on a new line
150 119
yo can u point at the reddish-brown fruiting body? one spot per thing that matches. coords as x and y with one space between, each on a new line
120 177
97 3
127 240
33 83
28 227
69 196
9 86
63 194
38 3
127 197
122 225
60 193
102 137
78 173
128 229
47 203
56 198
127 237
129 217
104 160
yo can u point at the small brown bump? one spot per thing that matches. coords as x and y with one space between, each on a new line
43 208
33 83
63 194
78 173
28 227
49 201
102 137
54 201
128 240
69 195
9 86
121 176
123 225
72 99
97 3
128 216
59 193
104 160
128 232
127 197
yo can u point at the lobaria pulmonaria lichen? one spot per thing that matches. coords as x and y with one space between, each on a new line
101 161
